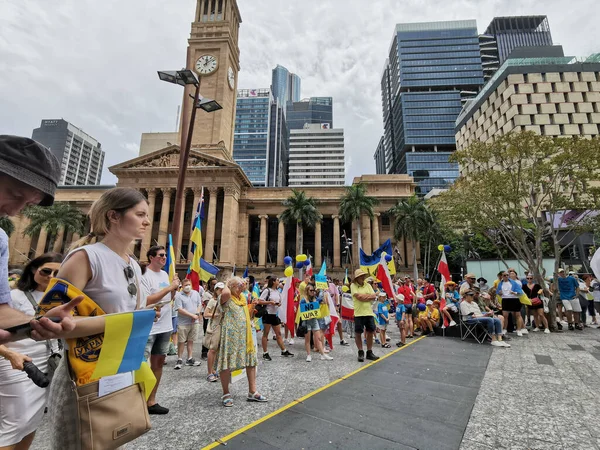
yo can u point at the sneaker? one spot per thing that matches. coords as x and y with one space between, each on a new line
410 336
535 330
578 327
266 357
443 327
504 332
179 364
326 358
371 356
497 344
399 344
571 327
192 362
157 409
547 331
287 353
344 343
361 356
519 333
291 342
452 323
504 344
308 358
524 331
377 341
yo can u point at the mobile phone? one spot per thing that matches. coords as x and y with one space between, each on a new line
25 328
158 304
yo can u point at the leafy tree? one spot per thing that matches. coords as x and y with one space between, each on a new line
7 225
514 191
301 211
354 204
53 218
411 216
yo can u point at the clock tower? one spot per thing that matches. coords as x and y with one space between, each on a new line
214 55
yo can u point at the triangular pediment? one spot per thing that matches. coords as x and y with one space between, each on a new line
168 158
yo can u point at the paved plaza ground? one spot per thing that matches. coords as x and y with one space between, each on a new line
437 393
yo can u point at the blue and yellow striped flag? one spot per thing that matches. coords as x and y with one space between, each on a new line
170 265
125 338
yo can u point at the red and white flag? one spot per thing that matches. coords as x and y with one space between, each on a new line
309 269
286 310
445 273
347 308
383 275
335 318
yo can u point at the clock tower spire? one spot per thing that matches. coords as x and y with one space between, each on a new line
214 55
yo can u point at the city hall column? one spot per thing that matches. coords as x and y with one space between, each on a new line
318 249
212 221
163 227
177 245
41 243
262 243
147 240
366 234
337 257
59 239
280 242
376 242
230 226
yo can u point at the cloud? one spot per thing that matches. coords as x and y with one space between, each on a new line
95 63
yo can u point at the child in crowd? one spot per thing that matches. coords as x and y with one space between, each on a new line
429 317
383 317
452 303
401 322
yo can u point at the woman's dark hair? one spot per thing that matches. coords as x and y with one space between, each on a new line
272 280
312 285
27 283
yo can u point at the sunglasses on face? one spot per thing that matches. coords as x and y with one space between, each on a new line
130 274
530 278
161 255
48 272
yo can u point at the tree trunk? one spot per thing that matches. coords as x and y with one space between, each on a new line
299 237
415 268
359 238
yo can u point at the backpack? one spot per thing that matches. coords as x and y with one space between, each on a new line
261 310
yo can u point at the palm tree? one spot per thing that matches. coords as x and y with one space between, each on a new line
53 218
301 211
354 203
411 216
7 225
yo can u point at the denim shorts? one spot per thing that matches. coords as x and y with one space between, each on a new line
312 325
158 344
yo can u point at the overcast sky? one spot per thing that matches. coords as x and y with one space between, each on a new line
94 62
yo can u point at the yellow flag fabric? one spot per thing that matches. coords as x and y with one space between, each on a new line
145 376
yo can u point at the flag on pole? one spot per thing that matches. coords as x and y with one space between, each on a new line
170 265
245 273
383 275
369 263
309 269
195 269
347 308
207 270
286 310
346 280
445 273
335 318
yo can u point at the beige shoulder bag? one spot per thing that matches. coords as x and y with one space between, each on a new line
111 421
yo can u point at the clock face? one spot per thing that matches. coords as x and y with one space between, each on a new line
206 64
231 78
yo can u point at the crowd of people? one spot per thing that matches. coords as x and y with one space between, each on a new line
227 315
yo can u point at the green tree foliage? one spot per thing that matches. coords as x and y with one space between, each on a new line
355 203
301 211
53 218
7 225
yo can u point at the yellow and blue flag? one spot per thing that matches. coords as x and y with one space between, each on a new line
125 338
170 265
207 270
369 263
195 268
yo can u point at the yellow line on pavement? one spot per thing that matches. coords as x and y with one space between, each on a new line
230 436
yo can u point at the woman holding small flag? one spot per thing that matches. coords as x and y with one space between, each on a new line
100 267
237 349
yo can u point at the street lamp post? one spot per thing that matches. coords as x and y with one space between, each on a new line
183 78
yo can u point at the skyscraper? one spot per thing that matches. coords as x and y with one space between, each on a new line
518 31
317 110
80 155
433 68
260 139
286 85
316 156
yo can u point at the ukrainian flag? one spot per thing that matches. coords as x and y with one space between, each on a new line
207 270
369 263
170 265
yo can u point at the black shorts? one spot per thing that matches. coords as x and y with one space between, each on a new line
408 307
271 319
362 322
511 305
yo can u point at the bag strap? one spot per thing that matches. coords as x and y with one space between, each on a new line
139 287
35 306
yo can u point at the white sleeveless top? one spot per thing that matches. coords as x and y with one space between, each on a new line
108 285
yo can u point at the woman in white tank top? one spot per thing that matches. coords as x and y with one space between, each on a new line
100 266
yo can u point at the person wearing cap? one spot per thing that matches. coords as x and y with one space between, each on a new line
467 284
471 312
383 317
568 290
188 304
29 175
452 302
429 318
364 318
214 313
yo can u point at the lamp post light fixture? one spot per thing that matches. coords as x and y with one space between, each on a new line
184 78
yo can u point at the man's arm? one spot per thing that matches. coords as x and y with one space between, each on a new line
154 298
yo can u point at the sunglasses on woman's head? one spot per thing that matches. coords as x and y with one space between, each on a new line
46 271
130 274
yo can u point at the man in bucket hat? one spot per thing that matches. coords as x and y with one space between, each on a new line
364 317
29 174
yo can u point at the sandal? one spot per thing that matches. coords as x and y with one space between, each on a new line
227 400
386 345
212 378
256 397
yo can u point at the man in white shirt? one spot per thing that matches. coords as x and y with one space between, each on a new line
155 281
187 304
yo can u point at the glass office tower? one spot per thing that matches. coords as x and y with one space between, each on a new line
286 85
433 68
311 110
